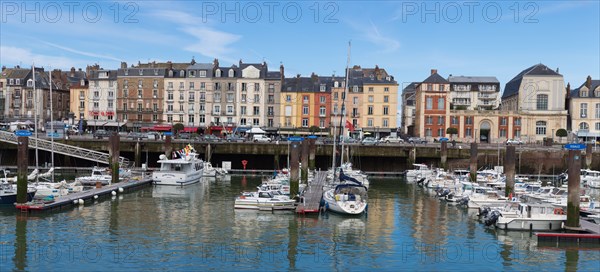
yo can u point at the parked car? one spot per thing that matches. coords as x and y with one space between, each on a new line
369 141
136 136
184 135
514 141
101 133
261 138
391 139
153 136
210 138
235 139
417 140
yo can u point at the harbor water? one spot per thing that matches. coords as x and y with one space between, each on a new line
196 228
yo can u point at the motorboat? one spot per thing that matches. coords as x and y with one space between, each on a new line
210 171
532 217
591 178
102 175
45 189
264 200
420 171
8 193
184 170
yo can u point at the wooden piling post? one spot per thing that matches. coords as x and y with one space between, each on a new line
574 162
22 163
304 170
113 150
473 162
168 146
138 154
294 167
588 156
312 153
444 155
509 170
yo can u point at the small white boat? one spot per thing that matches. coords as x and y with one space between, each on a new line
210 171
45 189
420 171
533 217
264 200
185 170
346 199
8 193
102 175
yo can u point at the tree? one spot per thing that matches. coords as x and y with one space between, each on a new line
314 129
177 127
561 133
452 131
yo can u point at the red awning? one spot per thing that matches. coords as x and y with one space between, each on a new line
216 128
162 128
190 129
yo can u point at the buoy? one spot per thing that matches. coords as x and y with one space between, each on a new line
121 189
95 196
113 193
80 201
75 201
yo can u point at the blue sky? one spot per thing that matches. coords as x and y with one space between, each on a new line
487 39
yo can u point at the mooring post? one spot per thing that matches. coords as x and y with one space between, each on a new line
168 146
208 152
22 163
312 153
509 170
444 157
304 170
473 162
588 156
412 157
294 167
138 154
113 151
574 162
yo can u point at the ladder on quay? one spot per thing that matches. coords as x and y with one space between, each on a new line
64 149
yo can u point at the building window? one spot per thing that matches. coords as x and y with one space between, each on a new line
369 122
468 132
218 73
428 132
243 121
468 120
170 96
385 122
305 110
440 132
217 109
371 99
322 99
321 122
370 110
503 133
503 121
517 121
429 103
429 87
386 110
542 102
454 120
517 133
583 110
139 93
256 110
231 73
270 111
583 93
370 89
355 89
322 111
271 99
429 120
386 89
440 103
229 97
355 100
441 88
229 109
441 120
584 126
304 122
170 107
288 98
110 104
540 127
202 73
243 110
256 98
271 87
305 99
598 126
386 99
598 110
191 118
335 96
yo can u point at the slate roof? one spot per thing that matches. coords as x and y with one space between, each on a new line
595 84
435 79
309 84
16 73
410 88
472 79
112 75
512 87
273 75
146 72
201 66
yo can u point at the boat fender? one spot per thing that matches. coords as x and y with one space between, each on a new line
95 196
121 189
75 201
559 211
80 201
113 193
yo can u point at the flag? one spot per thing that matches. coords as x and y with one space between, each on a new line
349 126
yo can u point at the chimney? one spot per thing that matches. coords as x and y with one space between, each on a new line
169 65
556 69
281 71
433 71
588 82
72 71
123 65
240 63
216 63
568 90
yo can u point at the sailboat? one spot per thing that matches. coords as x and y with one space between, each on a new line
349 194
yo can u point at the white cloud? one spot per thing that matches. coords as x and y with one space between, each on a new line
372 34
88 54
212 43
24 57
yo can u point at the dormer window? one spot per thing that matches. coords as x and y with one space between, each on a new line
597 92
322 88
231 73
336 84
202 73
30 83
192 73
170 73
218 73
182 73
11 81
583 93
126 72
141 72
18 80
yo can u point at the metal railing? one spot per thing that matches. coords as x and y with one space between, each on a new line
64 149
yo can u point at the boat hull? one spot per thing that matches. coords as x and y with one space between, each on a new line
531 224
176 178
10 199
343 206
253 204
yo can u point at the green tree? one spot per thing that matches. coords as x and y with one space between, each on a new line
178 127
452 131
560 133
314 129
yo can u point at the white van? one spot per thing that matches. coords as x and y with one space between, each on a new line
260 138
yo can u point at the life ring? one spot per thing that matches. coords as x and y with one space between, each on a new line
559 211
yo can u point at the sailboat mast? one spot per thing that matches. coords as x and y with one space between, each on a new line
343 116
51 123
35 115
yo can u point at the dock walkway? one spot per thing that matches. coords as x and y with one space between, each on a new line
68 200
312 194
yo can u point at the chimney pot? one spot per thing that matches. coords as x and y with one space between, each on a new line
433 71
588 82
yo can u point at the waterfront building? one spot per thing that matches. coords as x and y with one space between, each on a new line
139 96
584 110
307 102
432 106
20 103
273 81
408 111
97 102
537 94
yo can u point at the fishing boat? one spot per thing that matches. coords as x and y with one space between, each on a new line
184 170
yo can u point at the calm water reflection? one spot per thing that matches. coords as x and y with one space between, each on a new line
170 228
